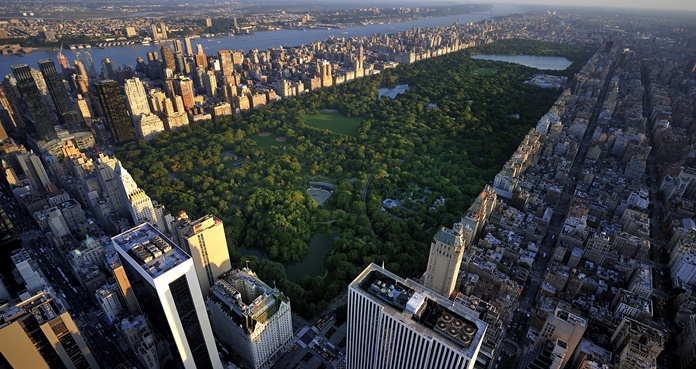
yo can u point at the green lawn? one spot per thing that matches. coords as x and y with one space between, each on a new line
266 141
485 71
334 122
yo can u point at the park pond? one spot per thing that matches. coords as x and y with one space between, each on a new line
313 264
392 92
534 61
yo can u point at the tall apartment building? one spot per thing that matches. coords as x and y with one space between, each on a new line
183 87
394 322
28 270
59 94
210 83
226 63
479 212
687 343
38 333
165 284
167 58
34 170
136 97
629 331
564 326
109 184
113 105
10 114
174 114
187 44
445 257
136 200
204 239
325 73
140 339
147 126
39 111
250 317
124 287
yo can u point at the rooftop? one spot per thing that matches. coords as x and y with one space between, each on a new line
148 247
245 295
422 309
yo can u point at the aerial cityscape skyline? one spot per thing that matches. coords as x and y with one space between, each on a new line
420 186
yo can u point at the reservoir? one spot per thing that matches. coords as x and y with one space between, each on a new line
120 55
534 61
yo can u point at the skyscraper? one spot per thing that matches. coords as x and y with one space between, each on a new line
9 112
127 293
210 83
445 257
226 65
164 280
184 88
137 333
61 99
147 126
136 97
177 45
38 333
205 241
565 326
104 170
251 317
394 322
108 69
34 170
40 113
9 99
138 203
187 44
168 58
113 104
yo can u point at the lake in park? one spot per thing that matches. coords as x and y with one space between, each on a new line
392 92
534 61
313 264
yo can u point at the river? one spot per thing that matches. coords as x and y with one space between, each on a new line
262 40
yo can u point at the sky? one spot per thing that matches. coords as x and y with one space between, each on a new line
689 5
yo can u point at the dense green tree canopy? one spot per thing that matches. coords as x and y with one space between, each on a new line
444 138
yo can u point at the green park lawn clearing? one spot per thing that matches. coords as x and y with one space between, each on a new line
334 122
265 139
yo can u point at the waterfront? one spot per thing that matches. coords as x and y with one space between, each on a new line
534 61
262 40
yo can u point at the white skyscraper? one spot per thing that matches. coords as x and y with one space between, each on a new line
397 323
136 97
165 283
136 200
147 126
250 316
109 184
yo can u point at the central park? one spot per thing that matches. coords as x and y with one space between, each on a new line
313 188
